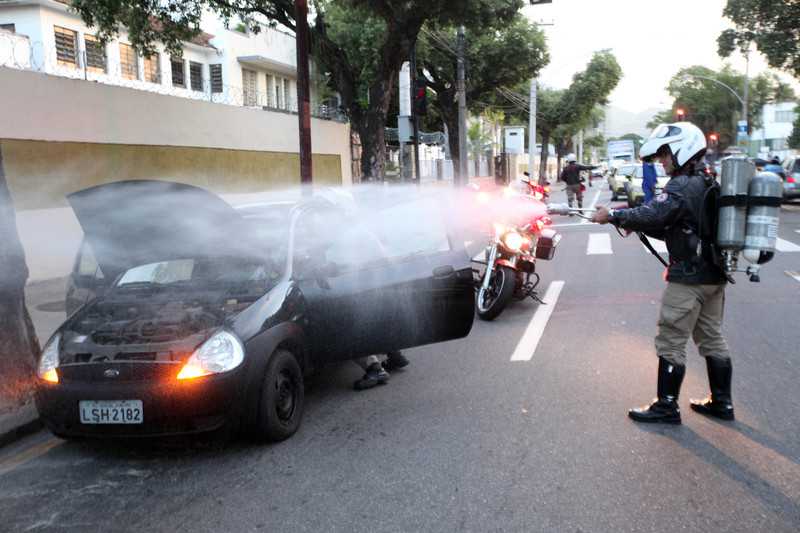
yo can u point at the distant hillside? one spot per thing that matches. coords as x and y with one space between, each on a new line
621 121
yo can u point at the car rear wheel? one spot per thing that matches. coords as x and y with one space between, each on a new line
280 404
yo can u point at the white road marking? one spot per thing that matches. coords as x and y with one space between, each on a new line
794 275
599 244
797 231
660 246
786 246
533 333
594 203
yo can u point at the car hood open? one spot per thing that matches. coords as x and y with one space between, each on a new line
130 223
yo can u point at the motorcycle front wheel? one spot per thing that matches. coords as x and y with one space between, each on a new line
491 302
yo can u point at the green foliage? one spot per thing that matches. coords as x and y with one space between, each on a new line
794 138
715 109
771 24
505 55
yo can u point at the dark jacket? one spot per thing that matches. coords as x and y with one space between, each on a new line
571 173
674 217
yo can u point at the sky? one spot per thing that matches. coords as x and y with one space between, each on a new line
651 39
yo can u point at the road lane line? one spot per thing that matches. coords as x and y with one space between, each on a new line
792 274
594 203
28 454
599 244
530 339
786 246
659 246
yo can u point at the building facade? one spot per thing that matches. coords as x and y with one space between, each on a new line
226 63
772 138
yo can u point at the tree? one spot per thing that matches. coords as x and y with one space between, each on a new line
501 54
771 24
794 138
361 43
19 347
574 105
715 109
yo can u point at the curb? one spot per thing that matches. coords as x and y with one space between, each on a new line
17 424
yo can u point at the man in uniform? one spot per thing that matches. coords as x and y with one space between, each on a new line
572 177
694 299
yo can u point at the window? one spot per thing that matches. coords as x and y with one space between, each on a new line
95 54
250 87
152 68
196 76
9 27
287 94
279 93
215 73
87 264
784 116
128 62
66 47
178 76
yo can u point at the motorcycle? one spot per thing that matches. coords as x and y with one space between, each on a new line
511 265
539 192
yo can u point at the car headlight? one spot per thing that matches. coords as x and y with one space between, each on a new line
49 360
513 241
220 353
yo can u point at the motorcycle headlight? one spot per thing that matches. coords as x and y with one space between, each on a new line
513 241
49 360
220 353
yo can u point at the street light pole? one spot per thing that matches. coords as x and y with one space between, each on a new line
303 93
532 130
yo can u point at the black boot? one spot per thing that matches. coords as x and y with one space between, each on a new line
719 404
395 360
375 375
665 408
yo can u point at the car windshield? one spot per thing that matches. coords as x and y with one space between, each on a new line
660 173
627 170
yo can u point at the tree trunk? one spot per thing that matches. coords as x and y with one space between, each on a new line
19 347
544 157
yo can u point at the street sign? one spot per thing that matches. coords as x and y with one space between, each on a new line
741 127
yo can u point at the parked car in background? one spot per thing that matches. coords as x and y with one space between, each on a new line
618 178
189 315
791 181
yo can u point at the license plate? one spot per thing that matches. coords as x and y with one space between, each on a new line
111 412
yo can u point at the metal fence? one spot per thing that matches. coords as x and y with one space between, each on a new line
18 52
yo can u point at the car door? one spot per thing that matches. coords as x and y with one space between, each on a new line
371 294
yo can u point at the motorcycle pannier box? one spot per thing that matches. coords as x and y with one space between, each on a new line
546 245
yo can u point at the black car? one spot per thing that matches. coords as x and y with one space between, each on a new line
188 315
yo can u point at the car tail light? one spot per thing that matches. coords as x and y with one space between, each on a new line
790 179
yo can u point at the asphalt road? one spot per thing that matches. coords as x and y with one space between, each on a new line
465 439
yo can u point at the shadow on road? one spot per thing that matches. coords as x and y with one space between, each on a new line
751 482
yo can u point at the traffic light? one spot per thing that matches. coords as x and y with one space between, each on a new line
421 99
681 114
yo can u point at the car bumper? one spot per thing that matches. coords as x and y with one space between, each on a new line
791 190
169 408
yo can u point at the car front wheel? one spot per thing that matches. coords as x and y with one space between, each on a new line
280 404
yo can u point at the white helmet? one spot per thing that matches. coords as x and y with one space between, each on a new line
571 158
684 140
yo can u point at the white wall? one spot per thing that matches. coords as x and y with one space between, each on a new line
37 106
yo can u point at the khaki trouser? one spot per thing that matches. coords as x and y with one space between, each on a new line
572 192
695 310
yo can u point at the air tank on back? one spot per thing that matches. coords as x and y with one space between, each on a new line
736 175
765 195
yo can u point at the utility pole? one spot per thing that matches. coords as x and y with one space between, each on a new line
303 93
463 173
414 114
532 131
